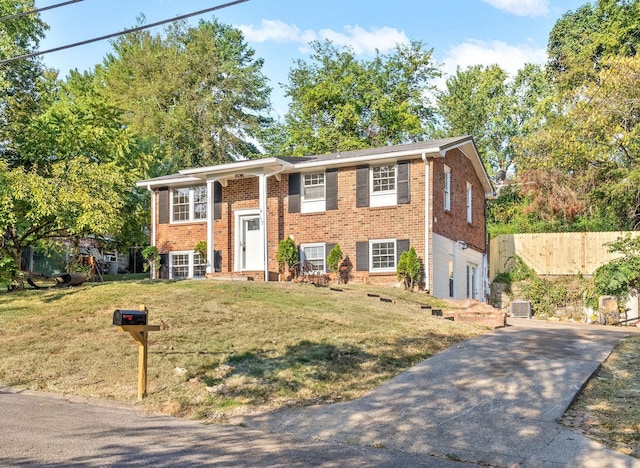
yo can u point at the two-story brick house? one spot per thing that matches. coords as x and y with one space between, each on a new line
375 203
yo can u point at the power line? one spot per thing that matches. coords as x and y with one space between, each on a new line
38 10
121 33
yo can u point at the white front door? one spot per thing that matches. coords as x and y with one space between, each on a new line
250 244
472 281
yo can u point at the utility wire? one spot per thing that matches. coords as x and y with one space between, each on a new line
121 33
38 10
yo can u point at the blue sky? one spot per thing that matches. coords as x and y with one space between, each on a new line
461 32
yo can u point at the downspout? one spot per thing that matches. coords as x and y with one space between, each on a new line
427 214
153 224
263 194
210 222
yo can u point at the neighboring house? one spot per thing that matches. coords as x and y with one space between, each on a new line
375 203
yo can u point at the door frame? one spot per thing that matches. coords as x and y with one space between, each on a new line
240 215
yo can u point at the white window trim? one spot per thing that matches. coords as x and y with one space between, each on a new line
315 205
324 257
395 253
469 203
191 267
192 218
447 188
386 197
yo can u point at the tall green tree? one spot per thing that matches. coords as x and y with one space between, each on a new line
341 103
20 83
66 172
198 93
483 101
581 40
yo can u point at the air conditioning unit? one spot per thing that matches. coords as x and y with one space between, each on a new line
521 309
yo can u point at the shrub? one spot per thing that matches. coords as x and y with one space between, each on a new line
334 258
408 268
287 255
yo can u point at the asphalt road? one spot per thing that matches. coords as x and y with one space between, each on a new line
47 430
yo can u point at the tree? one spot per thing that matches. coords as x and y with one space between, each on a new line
484 102
196 92
339 103
621 276
580 41
592 134
20 84
76 198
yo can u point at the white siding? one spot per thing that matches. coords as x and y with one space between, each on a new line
444 250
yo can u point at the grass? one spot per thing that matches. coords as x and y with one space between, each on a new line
609 406
224 348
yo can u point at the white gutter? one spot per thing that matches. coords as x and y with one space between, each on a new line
211 256
263 184
427 213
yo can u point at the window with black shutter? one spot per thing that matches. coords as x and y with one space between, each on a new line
331 181
403 183
163 205
362 186
294 192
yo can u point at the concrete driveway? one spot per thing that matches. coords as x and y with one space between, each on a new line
491 400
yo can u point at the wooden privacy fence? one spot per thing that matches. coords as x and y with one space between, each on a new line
567 253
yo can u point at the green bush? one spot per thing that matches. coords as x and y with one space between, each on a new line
287 255
334 258
409 269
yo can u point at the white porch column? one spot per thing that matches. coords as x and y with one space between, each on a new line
263 196
210 239
153 241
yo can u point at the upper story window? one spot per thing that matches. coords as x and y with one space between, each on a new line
469 203
313 192
383 185
189 204
447 188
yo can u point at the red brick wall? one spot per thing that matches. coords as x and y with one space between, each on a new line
453 224
348 224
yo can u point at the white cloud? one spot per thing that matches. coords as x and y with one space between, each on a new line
509 57
361 40
364 41
521 7
275 31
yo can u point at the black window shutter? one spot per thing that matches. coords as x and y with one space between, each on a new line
217 200
403 182
362 187
294 192
362 256
331 181
163 205
327 249
402 245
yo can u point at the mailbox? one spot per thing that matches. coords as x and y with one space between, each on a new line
129 317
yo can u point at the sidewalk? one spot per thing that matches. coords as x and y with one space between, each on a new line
493 399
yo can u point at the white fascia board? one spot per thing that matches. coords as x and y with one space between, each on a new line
417 153
167 181
251 166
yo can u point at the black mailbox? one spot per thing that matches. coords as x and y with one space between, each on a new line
129 317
